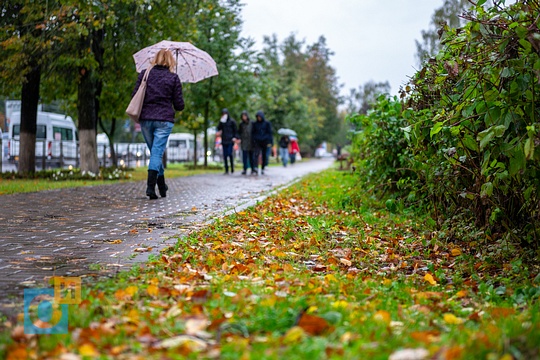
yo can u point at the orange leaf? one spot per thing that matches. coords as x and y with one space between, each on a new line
455 252
383 316
427 337
429 278
461 294
313 325
152 290
502 312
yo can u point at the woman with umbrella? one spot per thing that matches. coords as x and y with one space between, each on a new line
163 97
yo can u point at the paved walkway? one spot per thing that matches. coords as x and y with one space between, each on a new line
96 230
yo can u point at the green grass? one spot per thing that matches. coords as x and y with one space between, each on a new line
12 186
321 270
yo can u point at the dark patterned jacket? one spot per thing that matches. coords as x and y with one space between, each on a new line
163 95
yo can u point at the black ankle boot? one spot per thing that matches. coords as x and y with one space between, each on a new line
151 184
162 187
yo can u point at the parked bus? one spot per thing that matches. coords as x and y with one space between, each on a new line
56 139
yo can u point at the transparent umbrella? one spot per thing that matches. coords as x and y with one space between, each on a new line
288 132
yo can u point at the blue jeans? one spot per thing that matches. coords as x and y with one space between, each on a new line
156 133
284 155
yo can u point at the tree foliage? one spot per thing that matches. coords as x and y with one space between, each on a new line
83 50
469 126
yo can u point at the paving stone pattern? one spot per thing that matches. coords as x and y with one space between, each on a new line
97 230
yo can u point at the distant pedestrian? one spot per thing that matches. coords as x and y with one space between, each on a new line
228 131
262 137
293 149
163 97
284 149
244 130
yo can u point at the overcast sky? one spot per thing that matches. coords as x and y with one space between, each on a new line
371 39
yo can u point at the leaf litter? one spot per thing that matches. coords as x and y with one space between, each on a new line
303 274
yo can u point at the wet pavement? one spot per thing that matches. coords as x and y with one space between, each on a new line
98 230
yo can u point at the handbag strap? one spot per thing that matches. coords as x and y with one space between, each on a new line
145 77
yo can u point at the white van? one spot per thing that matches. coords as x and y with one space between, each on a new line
56 137
180 147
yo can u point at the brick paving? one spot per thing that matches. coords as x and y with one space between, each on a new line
97 230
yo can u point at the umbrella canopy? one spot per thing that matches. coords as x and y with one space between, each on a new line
288 132
192 63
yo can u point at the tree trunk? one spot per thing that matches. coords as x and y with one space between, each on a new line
195 149
29 107
87 122
207 122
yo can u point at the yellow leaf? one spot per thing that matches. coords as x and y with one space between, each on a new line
88 349
383 316
455 252
152 290
294 335
507 357
133 315
387 282
131 290
461 294
340 304
429 278
331 277
452 319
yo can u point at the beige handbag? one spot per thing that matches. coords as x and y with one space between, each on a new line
135 105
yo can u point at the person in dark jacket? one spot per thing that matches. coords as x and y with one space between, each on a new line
244 131
228 131
284 149
163 97
261 136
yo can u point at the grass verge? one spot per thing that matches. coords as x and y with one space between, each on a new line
12 186
319 271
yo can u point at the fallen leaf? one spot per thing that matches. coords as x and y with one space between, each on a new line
312 324
429 278
383 316
427 337
410 354
461 294
152 290
88 349
191 342
455 252
131 290
142 249
452 319
502 312
294 335
345 262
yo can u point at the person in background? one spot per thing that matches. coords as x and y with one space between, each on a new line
261 136
228 132
244 131
163 96
284 149
293 149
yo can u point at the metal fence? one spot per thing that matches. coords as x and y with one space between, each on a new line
62 154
